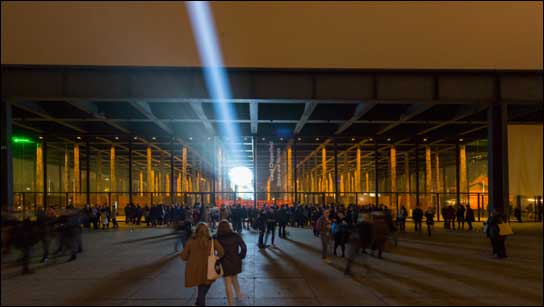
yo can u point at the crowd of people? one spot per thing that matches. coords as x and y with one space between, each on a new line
363 229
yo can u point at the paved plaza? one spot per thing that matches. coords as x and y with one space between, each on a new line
139 268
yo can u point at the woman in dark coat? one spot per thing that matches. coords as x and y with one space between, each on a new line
235 251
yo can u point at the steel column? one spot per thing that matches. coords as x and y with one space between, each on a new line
376 179
7 158
130 171
88 174
497 156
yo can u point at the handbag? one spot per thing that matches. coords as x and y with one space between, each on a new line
215 270
505 230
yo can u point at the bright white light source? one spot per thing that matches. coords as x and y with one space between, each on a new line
241 176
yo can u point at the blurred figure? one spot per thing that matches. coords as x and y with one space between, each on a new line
324 226
380 232
401 219
429 217
469 217
341 235
183 230
25 239
460 217
417 215
283 220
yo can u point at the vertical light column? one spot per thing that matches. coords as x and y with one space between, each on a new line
367 183
113 179
99 174
150 179
178 184
358 170
428 175
183 168
141 184
160 175
463 169
407 177
344 178
289 171
167 182
437 170
268 190
66 180
393 168
77 178
39 186
324 169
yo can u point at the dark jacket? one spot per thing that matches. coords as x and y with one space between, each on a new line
235 251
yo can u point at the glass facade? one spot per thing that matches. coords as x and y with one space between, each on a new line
350 171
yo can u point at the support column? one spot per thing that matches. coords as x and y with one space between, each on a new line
463 180
7 158
77 174
172 181
376 183
358 170
428 175
88 174
150 179
295 175
393 167
44 144
407 178
290 172
254 172
497 156
457 173
324 185
113 179
417 174
39 182
130 201
336 192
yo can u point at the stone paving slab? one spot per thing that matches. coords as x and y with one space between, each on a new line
139 268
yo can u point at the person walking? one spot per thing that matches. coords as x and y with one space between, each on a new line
341 235
429 217
283 220
235 252
324 226
196 254
417 215
469 217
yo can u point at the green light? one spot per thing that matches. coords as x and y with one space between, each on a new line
21 140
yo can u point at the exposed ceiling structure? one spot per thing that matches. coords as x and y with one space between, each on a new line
168 108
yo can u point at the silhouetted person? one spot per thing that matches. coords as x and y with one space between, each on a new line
417 214
469 217
460 217
429 216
